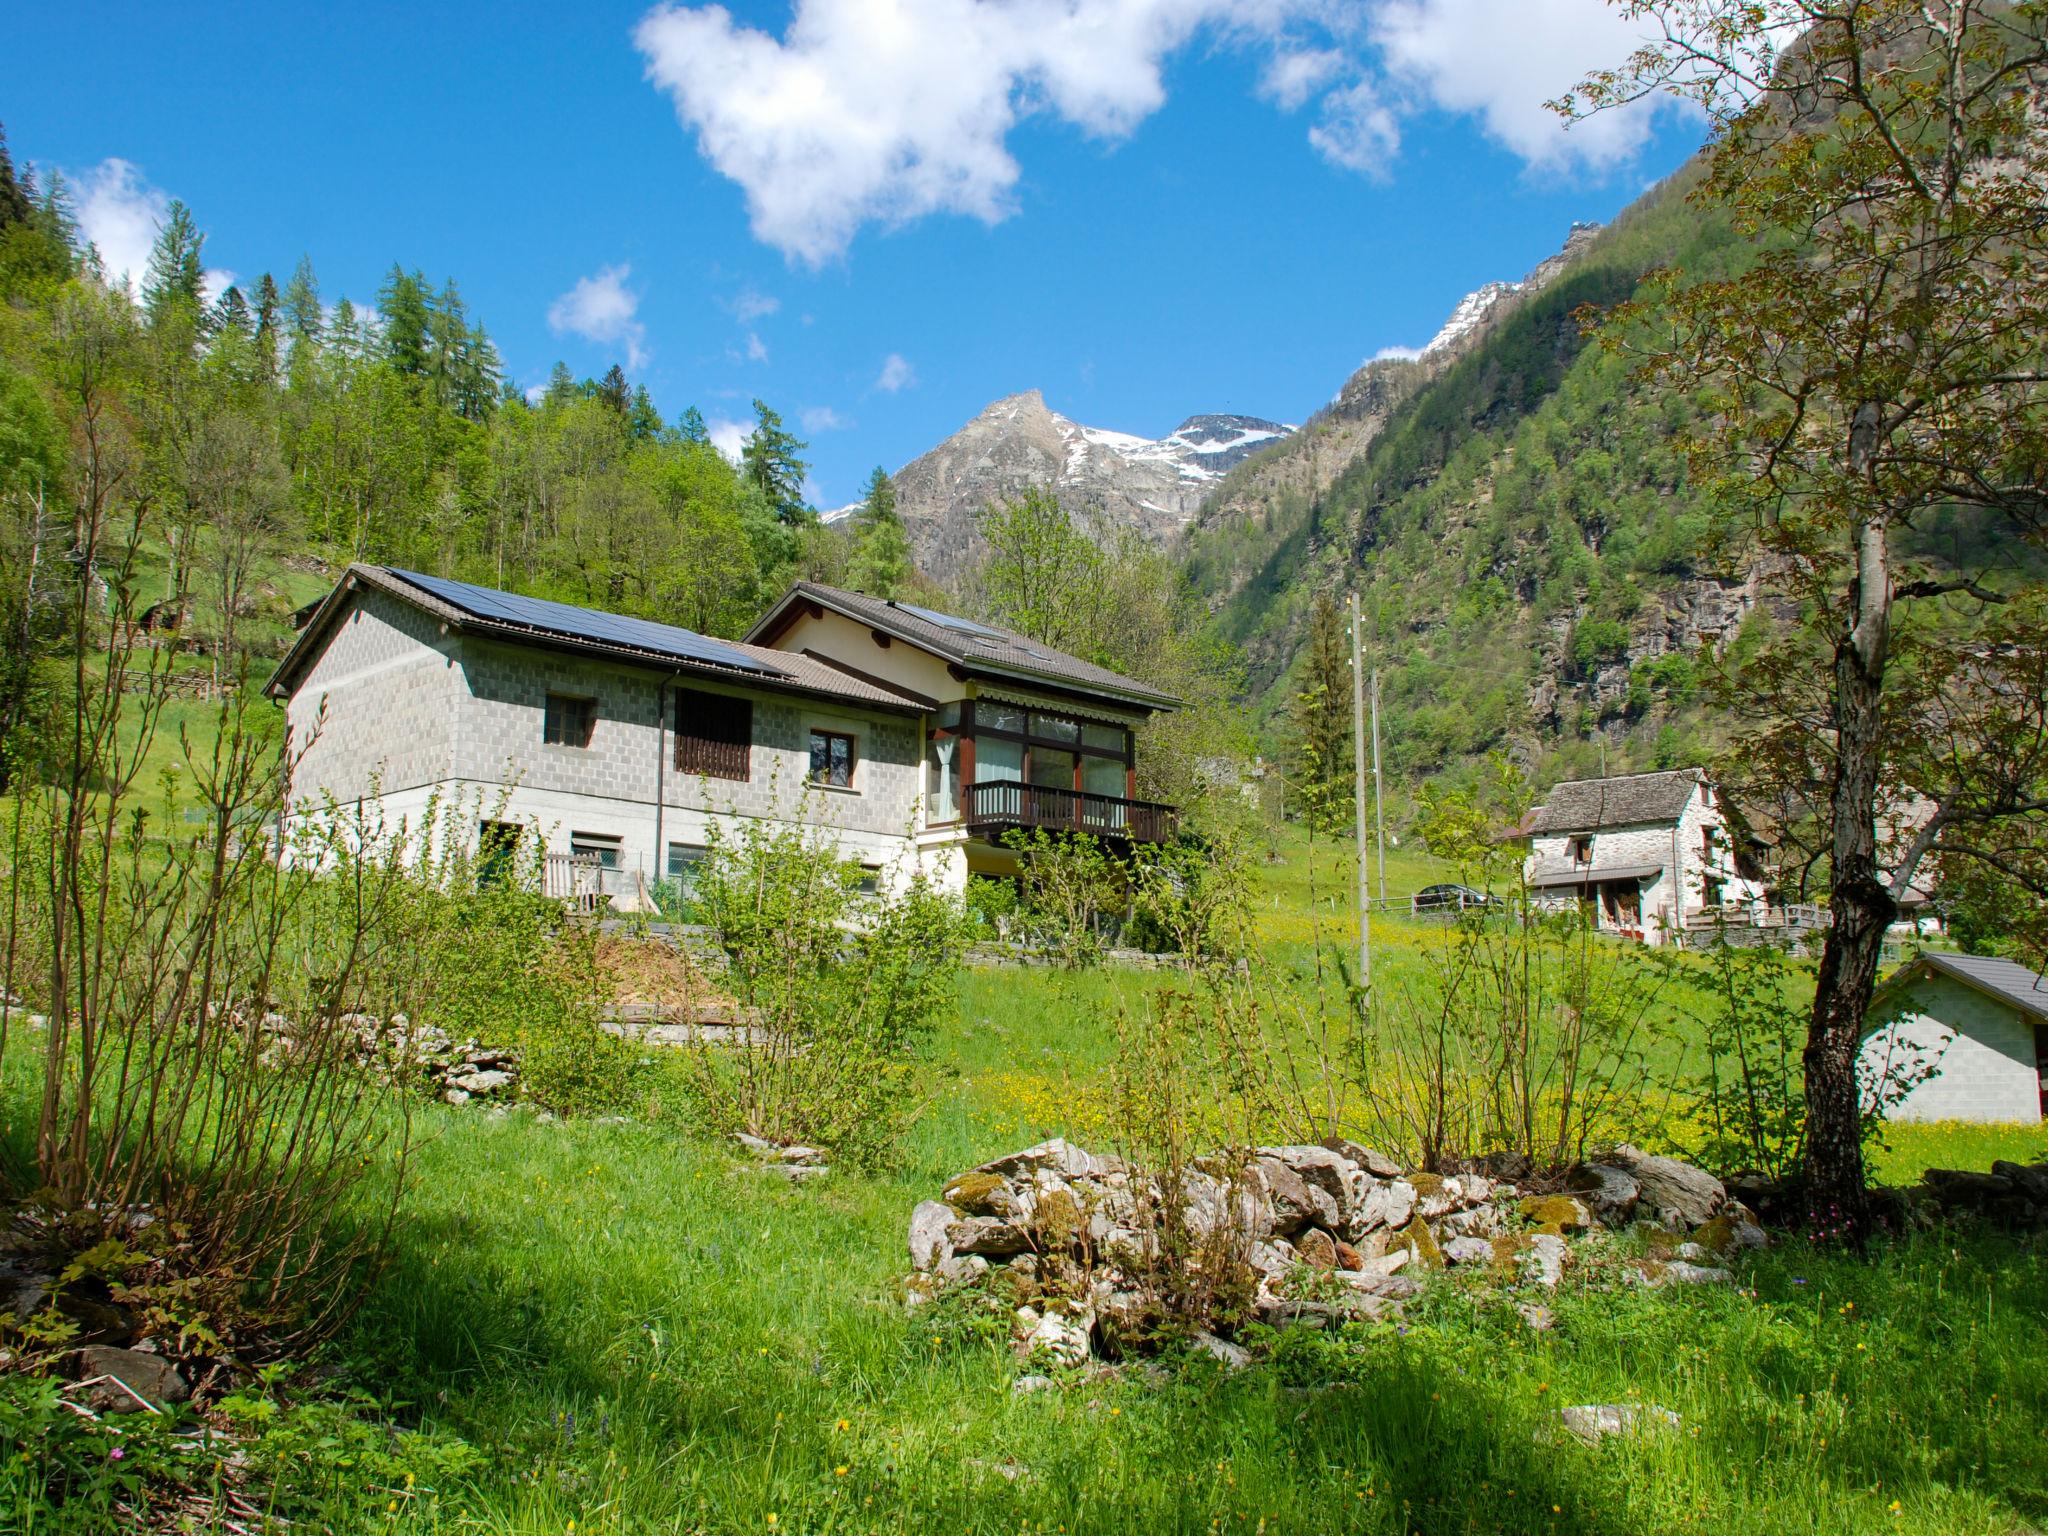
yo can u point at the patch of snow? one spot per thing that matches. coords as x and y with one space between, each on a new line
1471 312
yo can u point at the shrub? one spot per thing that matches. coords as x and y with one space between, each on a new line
837 992
1072 891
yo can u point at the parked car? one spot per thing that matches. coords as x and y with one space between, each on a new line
1452 898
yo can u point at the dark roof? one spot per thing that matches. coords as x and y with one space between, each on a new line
588 631
1553 876
985 649
1587 805
2006 980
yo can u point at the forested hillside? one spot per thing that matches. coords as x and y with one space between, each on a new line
1532 560
275 434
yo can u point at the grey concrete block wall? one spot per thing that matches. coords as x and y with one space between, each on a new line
1982 1050
379 706
499 727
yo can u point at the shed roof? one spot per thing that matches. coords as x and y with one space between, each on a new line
1587 805
2005 980
511 617
973 646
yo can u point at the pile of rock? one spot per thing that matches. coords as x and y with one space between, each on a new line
455 1071
797 1164
1312 1233
2012 1194
114 1365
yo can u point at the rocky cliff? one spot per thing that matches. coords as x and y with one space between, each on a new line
1110 480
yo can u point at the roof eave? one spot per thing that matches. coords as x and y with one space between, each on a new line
497 629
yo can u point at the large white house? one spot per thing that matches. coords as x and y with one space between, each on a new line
913 739
1650 852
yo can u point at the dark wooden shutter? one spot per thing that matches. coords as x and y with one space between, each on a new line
714 735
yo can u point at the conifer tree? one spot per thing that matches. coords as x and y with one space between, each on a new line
176 279
770 461
402 302
643 421
690 427
1320 712
303 317
17 200
267 309
881 564
612 390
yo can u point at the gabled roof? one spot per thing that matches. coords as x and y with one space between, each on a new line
2007 981
1587 805
987 650
508 616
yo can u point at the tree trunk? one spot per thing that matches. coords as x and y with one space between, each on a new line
1861 902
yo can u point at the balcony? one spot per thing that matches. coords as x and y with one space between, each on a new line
993 809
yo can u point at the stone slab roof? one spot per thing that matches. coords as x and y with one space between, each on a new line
1588 805
975 647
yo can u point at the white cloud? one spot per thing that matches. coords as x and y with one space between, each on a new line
822 418
1296 74
729 436
1405 354
1501 60
757 349
1357 130
120 214
896 376
601 308
752 305
886 111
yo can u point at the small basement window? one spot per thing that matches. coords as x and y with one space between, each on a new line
870 879
684 861
592 845
832 759
568 720
1579 850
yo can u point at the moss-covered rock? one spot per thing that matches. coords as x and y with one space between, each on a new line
1417 1235
1056 1218
1555 1213
978 1194
1426 1185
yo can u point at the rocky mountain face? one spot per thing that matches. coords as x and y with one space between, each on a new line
1283 483
1110 480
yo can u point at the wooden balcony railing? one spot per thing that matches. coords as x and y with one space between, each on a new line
1002 806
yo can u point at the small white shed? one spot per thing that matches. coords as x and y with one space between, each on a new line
1972 1029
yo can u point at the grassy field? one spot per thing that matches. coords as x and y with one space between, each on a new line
594 1327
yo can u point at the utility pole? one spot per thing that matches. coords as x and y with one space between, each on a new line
1358 798
1379 808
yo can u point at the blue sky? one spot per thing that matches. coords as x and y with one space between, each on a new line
878 215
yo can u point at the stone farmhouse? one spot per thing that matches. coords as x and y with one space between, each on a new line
1652 853
914 739
1966 1036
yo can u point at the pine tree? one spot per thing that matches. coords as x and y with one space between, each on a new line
408 318
612 390
176 280
643 421
770 461
881 564
561 385
17 200
479 377
267 308
1320 712
304 318
231 315
690 427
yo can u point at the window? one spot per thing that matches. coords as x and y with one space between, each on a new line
870 879
568 720
1055 727
714 735
594 845
684 861
832 759
1104 738
945 778
497 852
1579 850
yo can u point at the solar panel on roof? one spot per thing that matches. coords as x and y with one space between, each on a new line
947 621
567 620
